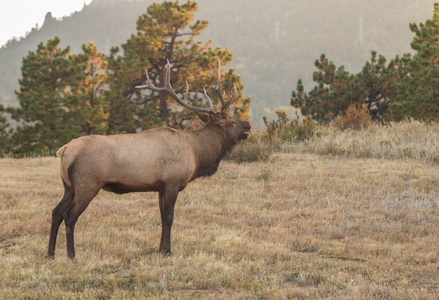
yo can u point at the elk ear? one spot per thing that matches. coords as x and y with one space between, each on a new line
214 117
203 116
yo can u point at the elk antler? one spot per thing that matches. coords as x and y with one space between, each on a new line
168 88
224 104
214 109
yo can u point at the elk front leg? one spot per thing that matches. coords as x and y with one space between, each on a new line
167 202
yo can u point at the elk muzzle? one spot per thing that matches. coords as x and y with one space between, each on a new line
247 127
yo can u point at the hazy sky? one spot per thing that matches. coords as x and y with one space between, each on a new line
19 16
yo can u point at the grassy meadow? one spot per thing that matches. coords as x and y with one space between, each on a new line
343 215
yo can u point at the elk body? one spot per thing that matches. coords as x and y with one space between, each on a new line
162 160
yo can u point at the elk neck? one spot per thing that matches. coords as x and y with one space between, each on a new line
210 146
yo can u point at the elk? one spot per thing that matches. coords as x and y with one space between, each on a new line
162 160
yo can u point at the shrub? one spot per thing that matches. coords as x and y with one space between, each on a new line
299 132
282 130
356 117
274 128
251 152
253 149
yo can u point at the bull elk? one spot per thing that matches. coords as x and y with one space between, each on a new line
162 160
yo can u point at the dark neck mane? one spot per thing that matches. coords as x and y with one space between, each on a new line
211 145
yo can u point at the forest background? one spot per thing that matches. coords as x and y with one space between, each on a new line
273 45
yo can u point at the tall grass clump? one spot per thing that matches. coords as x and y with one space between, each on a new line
252 150
282 130
276 137
410 139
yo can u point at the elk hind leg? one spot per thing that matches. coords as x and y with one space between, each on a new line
57 218
80 203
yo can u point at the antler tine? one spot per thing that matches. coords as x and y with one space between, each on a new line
225 104
208 98
217 86
168 75
148 84
234 94
231 99
214 109
148 81
186 94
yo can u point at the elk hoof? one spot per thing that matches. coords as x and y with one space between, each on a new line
166 253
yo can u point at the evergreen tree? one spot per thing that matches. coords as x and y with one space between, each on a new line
122 110
88 99
375 86
165 33
419 93
381 83
45 122
336 89
3 131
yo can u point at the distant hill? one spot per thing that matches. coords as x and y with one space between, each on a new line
274 42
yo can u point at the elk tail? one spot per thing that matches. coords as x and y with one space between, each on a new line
60 151
64 166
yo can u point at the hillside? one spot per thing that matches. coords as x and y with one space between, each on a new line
274 43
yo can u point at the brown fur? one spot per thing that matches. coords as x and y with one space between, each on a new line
162 160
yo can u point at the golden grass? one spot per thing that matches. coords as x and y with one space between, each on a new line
403 140
296 226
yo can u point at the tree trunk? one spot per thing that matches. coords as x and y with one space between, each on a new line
434 82
164 113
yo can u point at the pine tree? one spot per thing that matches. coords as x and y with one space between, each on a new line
381 83
3 131
419 93
336 89
45 122
165 33
88 99
376 86
126 112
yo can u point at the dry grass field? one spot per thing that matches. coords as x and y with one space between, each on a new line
298 225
